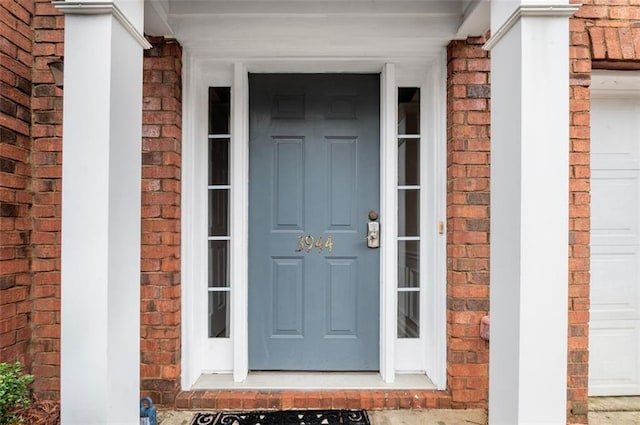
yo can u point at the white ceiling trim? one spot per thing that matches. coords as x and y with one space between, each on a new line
476 19
155 18
244 29
323 7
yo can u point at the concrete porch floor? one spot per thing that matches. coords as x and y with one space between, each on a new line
614 410
602 411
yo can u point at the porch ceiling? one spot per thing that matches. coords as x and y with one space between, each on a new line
273 29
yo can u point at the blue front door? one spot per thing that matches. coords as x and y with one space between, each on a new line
314 177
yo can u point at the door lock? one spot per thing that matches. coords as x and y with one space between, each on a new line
373 234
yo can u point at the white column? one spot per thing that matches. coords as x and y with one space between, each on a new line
101 171
529 211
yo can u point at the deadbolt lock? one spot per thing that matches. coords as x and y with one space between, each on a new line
373 234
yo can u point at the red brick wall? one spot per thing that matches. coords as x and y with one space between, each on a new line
31 201
468 119
160 344
579 224
613 31
468 170
46 184
604 34
15 171
601 36
161 162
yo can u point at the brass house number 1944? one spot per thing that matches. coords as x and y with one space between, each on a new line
308 242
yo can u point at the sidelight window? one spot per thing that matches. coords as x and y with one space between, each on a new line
218 237
408 184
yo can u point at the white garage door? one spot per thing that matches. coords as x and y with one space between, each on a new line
614 341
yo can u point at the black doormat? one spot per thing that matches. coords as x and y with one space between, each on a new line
285 417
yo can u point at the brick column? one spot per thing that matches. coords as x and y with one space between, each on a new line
468 119
15 173
46 185
161 186
579 224
603 36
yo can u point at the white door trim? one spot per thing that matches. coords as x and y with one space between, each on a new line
388 220
239 167
231 354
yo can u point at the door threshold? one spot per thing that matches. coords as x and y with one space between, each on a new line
313 381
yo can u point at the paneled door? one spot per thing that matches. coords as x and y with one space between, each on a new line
314 177
614 339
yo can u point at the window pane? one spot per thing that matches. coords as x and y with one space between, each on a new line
408 162
218 264
409 314
218 161
219 108
408 264
218 212
408 212
219 314
408 110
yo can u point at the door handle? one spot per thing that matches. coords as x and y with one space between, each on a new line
373 234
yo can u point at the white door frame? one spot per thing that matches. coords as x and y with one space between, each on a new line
231 354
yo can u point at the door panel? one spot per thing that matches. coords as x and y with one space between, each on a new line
342 170
341 298
614 337
288 295
614 269
614 220
314 176
613 359
289 191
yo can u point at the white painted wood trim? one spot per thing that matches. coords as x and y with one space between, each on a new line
427 354
190 345
529 257
200 353
102 8
230 355
475 19
156 21
436 288
621 84
239 167
388 222
560 10
100 329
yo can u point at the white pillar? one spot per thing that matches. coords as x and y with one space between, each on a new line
529 211
101 172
